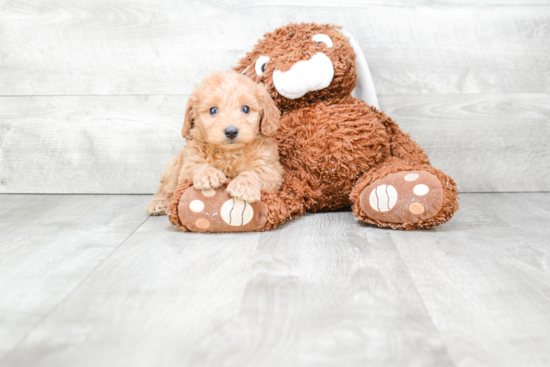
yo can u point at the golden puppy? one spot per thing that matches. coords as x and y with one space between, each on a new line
228 122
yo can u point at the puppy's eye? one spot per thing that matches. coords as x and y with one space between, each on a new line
261 65
213 111
322 38
245 109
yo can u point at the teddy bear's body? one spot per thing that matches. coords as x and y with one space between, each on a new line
336 150
332 146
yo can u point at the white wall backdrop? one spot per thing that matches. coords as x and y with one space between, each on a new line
92 93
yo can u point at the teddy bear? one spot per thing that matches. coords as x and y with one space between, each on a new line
336 150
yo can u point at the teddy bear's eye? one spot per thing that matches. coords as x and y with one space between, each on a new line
261 64
322 38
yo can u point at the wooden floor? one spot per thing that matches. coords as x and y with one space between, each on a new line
92 102
91 280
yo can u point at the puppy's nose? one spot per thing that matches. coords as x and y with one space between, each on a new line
231 132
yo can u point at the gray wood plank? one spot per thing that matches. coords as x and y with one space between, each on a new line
108 47
115 144
326 291
120 144
48 245
486 142
485 279
320 291
535 214
144 304
363 3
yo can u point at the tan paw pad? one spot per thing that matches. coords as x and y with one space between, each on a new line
411 176
202 223
416 208
209 193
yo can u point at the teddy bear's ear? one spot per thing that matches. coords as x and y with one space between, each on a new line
365 85
189 115
269 122
244 64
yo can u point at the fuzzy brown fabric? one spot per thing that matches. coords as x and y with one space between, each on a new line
291 201
173 214
331 145
215 210
290 44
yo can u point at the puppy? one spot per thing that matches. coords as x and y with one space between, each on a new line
228 122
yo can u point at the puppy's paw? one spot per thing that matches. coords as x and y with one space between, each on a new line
158 206
208 178
243 189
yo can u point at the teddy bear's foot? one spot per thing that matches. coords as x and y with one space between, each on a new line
409 196
216 211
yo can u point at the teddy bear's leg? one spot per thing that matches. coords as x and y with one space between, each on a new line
403 195
216 211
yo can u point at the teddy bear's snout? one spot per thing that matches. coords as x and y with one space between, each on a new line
304 76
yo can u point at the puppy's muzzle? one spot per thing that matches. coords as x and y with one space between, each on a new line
231 132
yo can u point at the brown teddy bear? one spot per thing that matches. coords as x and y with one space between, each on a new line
336 150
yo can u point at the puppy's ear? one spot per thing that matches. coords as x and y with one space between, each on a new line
269 122
189 115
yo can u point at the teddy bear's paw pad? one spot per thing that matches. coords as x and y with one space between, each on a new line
408 196
216 211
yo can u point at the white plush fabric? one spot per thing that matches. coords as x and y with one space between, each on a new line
323 38
259 63
304 76
365 89
317 73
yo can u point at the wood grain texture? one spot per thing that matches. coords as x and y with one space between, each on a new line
116 144
147 303
48 246
314 293
323 290
485 279
120 144
326 291
487 143
106 47
469 80
363 3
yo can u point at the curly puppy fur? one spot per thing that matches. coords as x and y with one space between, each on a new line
210 157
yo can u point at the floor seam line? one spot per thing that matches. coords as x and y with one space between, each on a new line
451 359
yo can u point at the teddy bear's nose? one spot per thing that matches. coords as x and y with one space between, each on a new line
231 131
